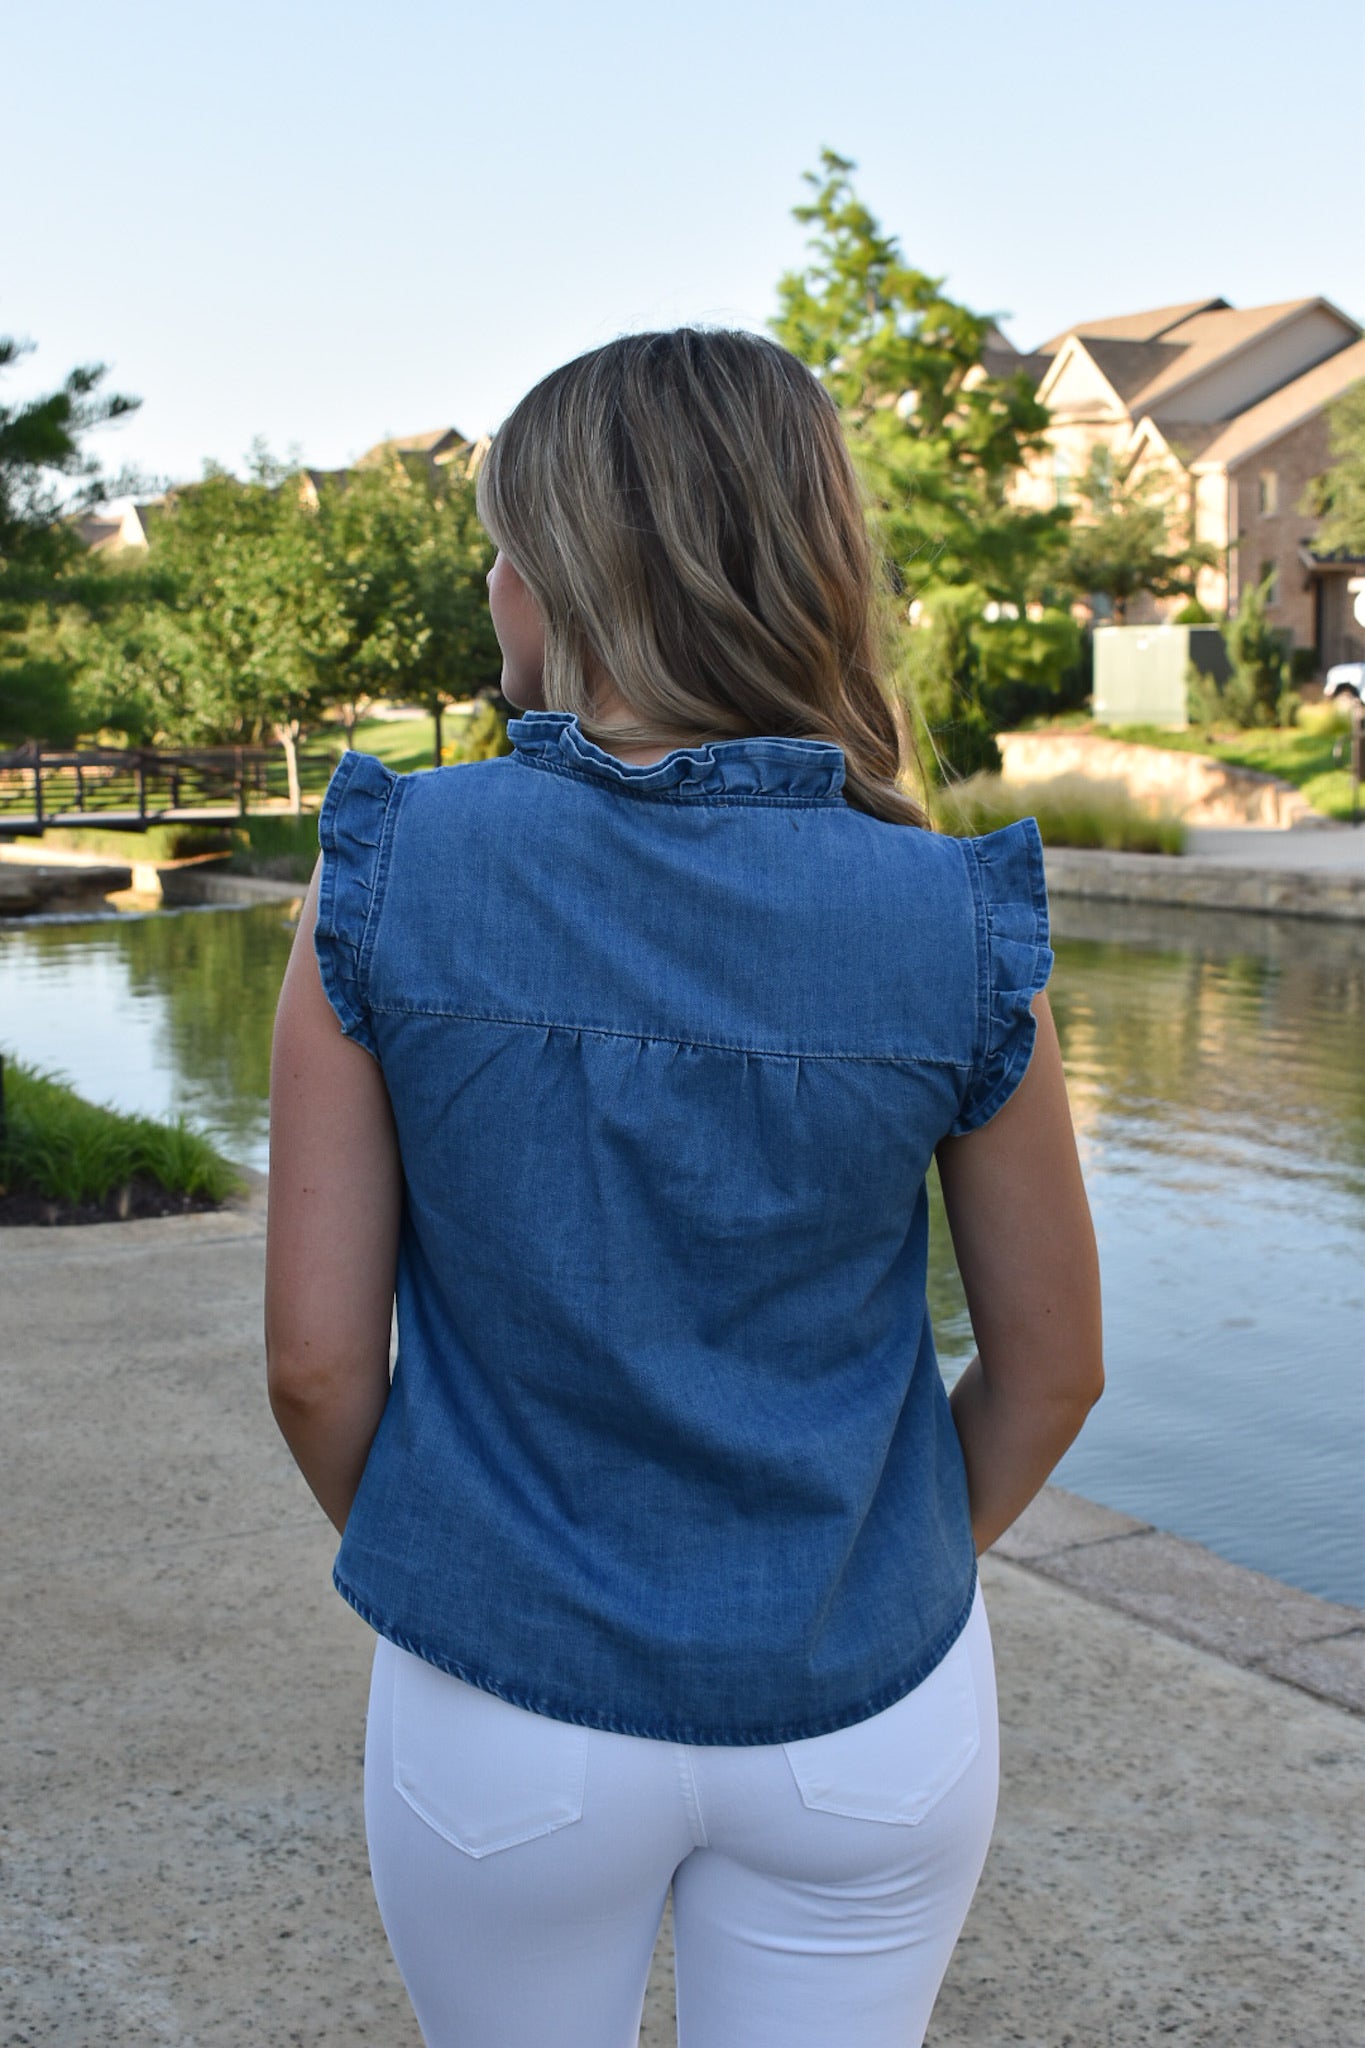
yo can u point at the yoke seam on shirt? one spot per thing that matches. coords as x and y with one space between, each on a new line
880 1059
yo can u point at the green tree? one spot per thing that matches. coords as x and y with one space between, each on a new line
408 559
238 640
937 439
1126 537
46 472
1337 497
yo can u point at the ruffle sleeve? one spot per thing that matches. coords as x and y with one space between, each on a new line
1014 960
353 833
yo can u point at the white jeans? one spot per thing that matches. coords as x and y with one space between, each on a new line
522 1865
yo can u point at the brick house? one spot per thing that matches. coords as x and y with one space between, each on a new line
1230 404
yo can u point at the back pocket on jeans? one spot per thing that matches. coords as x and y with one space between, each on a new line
483 1774
896 1766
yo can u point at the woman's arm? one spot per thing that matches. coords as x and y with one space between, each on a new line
1026 1251
336 1189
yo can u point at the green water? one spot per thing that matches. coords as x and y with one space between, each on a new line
1217 1072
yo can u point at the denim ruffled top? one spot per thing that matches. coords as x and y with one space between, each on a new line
669 1050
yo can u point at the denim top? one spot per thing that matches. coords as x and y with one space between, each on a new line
669 1050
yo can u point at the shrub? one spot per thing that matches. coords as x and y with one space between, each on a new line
1072 810
481 736
969 677
1257 691
1325 719
1192 613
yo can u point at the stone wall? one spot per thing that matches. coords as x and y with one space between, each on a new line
1194 787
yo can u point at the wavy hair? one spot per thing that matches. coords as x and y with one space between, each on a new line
683 510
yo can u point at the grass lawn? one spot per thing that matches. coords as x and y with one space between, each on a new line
271 843
63 1159
403 744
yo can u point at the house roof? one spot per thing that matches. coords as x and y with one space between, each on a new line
1207 338
1132 326
1008 362
1284 409
1130 366
114 531
1185 439
434 441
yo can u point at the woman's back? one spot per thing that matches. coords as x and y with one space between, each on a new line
669 1050
658 1056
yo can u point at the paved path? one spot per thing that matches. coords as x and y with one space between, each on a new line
182 1699
1325 848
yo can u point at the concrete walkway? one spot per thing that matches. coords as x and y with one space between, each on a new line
1327 849
182 1699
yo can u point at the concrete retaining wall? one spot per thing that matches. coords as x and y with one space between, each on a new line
1194 787
186 885
1205 885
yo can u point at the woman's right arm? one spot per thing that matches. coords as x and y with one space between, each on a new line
1026 1251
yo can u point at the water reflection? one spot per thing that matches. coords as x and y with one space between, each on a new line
167 1015
1217 1072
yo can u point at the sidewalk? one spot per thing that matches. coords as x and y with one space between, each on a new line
183 1700
1328 849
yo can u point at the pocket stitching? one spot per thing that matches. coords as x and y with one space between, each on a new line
837 1803
571 1796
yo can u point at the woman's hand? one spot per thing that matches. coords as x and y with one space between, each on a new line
1026 1250
336 1189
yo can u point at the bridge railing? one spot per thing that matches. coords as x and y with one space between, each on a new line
39 784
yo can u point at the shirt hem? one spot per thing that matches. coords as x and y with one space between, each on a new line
661 1728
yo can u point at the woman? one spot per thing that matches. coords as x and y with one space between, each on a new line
623 1059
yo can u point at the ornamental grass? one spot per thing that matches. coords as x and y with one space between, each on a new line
1072 810
59 1147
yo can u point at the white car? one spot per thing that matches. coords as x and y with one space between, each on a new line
1346 680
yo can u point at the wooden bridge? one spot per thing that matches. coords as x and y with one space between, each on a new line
126 789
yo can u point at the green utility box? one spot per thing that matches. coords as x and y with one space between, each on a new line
1140 672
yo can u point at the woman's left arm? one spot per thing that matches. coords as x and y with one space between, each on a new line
336 1192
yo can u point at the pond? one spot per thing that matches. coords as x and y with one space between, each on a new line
1217 1075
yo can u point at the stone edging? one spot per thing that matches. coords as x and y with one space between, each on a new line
1185 1591
183 886
1204 885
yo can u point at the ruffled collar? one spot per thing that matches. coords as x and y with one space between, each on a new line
784 770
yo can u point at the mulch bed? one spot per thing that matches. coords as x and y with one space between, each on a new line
140 1198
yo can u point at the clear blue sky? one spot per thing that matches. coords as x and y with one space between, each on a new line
325 223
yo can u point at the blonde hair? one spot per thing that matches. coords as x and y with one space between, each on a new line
683 510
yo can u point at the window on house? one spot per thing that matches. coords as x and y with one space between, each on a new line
1061 476
1268 497
1270 582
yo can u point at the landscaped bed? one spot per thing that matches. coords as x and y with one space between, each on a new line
1314 755
66 1160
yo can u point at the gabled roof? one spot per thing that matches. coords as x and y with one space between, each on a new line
1132 326
1184 439
1285 409
1210 337
113 532
1008 362
435 442
1130 366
